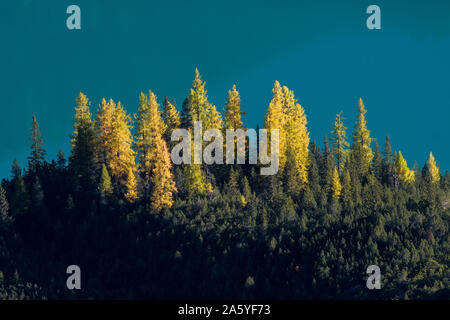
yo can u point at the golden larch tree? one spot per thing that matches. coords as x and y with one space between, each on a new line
171 118
336 186
296 135
433 169
401 170
275 119
362 152
163 184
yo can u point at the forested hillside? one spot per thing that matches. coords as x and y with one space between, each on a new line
141 227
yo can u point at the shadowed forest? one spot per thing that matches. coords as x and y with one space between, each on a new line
140 227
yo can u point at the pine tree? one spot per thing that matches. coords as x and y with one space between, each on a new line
388 163
131 186
105 187
231 187
246 190
401 170
154 158
37 193
16 171
37 151
186 119
433 169
199 107
104 123
61 160
195 180
113 127
83 141
4 206
162 178
171 118
233 110
346 191
233 120
149 129
297 136
19 201
378 162
336 186
362 153
340 142
327 167
275 119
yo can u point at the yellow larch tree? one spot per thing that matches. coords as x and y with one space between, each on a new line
113 127
171 118
275 119
401 170
433 169
336 186
149 128
103 128
197 108
233 110
83 141
131 186
163 184
296 135
233 120
154 157
362 152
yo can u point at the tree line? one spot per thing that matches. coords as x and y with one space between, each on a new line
140 227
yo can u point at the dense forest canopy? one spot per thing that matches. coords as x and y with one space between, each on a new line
141 227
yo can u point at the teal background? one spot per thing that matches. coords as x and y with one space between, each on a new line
320 49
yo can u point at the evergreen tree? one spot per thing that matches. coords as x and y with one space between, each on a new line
83 141
149 129
340 142
61 160
433 169
388 163
276 119
233 110
195 182
16 171
20 200
162 178
297 136
186 119
171 118
336 186
104 123
231 187
199 107
4 206
347 189
131 186
378 163
401 170
105 187
388 155
113 126
37 151
327 167
37 193
362 153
